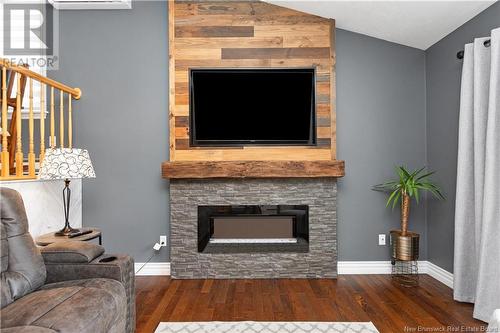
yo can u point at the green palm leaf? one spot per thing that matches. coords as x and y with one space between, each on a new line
410 183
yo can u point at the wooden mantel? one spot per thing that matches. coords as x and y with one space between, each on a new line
252 169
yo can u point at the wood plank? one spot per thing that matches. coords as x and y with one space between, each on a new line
254 8
229 8
323 99
238 8
323 88
305 41
181 99
181 110
181 76
323 132
172 77
181 87
197 54
252 169
185 9
323 77
185 142
293 30
262 153
324 142
214 31
323 122
227 42
183 132
333 91
182 121
323 110
246 20
208 20
184 65
276 53
181 144
322 65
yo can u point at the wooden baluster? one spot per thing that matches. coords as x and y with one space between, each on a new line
70 122
31 150
61 118
52 141
42 122
5 152
19 143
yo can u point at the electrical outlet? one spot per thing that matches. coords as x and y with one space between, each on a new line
163 240
381 239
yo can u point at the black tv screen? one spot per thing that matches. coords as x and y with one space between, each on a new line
231 107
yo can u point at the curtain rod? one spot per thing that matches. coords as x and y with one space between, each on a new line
460 54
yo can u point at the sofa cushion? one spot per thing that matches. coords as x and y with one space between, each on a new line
93 305
69 251
23 270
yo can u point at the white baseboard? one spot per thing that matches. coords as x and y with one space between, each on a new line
344 267
384 267
152 268
364 267
440 274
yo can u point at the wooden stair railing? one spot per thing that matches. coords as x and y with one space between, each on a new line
13 164
12 102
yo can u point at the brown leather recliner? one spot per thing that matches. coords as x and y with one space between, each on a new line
63 287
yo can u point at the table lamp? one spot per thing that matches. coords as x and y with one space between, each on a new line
67 164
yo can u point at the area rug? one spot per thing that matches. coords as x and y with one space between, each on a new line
265 327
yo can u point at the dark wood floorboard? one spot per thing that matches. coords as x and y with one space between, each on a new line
375 298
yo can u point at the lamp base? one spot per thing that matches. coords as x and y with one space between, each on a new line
66 231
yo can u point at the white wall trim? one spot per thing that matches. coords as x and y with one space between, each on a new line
440 274
364 267
384 267
344 267
152 268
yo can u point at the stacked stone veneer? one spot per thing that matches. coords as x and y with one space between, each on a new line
320 194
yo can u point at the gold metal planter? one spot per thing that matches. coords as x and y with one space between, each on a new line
406 247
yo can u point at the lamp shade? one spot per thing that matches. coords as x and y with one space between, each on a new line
66 163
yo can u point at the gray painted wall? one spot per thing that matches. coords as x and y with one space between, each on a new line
380 124
443 72
119 59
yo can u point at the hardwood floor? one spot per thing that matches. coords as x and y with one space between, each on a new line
391 307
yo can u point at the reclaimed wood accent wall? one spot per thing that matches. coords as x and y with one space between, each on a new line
248 34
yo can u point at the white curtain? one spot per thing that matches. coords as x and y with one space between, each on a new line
477 208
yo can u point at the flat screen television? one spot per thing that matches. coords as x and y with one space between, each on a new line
239 107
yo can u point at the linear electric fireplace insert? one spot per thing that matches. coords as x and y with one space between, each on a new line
253 228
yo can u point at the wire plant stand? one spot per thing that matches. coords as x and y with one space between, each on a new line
405 272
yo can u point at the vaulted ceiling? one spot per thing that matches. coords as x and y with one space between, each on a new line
418 24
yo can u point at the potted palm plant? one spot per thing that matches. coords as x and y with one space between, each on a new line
408 185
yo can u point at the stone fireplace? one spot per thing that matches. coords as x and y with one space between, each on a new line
314 258
286 184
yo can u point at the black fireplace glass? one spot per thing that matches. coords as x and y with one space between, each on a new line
253 228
